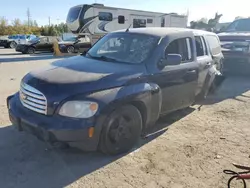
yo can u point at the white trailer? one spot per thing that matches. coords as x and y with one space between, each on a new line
96 20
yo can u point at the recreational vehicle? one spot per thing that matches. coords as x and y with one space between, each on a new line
96 20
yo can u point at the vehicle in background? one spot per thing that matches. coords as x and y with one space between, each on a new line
11 41
97 19
44 44
24 39
75 44
109 97
235 44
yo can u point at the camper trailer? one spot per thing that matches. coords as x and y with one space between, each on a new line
96 20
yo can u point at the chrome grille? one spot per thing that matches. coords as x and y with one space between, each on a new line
32 99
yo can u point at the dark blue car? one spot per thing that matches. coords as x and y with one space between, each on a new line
106 98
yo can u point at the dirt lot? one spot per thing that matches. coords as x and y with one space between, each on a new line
191 150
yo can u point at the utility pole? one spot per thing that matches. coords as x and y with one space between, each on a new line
49 20
28 16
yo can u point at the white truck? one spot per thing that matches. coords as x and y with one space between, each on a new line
96 20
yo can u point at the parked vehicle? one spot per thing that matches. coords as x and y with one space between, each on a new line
44 44
75 44
24 39
97 19
107 98
11 41
235 41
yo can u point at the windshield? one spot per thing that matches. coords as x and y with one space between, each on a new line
239 25
125 47
73 14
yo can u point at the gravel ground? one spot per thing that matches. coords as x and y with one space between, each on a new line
189 148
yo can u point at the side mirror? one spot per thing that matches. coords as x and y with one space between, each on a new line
171 59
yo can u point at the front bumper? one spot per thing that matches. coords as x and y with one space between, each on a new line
236 56
236 63
54 129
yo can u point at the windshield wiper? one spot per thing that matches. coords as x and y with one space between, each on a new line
104 58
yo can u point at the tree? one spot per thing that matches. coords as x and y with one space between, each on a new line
209 26
3 25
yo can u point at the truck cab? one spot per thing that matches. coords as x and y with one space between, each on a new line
106 98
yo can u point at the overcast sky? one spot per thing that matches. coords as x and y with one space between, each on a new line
57 10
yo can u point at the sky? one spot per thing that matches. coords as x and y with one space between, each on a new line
57 10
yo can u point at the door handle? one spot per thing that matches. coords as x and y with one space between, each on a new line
191 71
208 64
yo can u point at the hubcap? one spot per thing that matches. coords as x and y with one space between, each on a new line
12 45
120 130
70 49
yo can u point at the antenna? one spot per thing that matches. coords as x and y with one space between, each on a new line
127 30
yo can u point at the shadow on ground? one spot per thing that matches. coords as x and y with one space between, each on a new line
27 162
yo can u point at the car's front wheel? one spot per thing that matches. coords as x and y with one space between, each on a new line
31 50
71 49
121 130
13 44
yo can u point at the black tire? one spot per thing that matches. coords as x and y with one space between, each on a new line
121 130
71 49
13 44
31 50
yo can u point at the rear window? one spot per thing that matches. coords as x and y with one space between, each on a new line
214 44
73 14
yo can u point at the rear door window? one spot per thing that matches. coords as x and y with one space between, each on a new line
214 44
201 49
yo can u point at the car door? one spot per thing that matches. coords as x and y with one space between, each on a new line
204 60
178 82
41 45
83 44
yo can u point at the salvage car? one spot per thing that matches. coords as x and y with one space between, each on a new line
109 96
44 44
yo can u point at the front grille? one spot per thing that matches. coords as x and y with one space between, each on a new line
33 99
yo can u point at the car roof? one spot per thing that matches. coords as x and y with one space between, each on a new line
164 31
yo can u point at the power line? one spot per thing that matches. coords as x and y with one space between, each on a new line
28 16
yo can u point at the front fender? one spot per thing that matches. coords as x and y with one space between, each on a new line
146 95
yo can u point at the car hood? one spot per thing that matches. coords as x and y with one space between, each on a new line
78 75
231 36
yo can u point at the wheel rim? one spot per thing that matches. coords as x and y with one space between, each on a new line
30 50
71 49
120 131
12 44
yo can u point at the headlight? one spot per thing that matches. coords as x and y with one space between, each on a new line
79 109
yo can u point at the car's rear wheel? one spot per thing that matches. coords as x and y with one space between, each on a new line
31 50
70 49
121 130
13 44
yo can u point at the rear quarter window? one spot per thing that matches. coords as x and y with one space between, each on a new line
214 44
